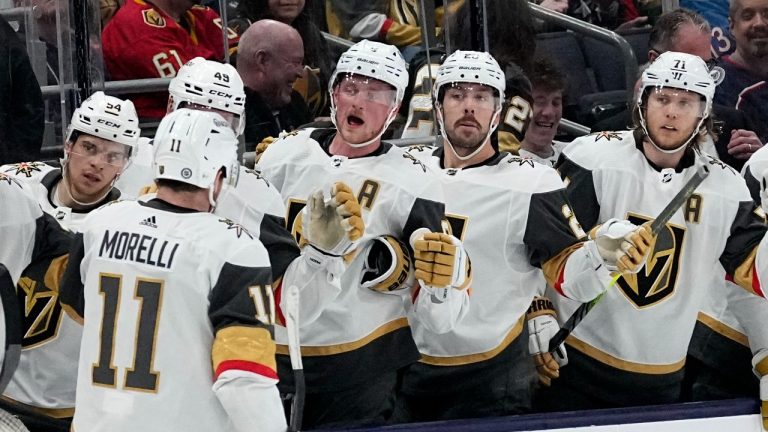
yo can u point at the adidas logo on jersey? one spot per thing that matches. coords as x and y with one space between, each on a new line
150 222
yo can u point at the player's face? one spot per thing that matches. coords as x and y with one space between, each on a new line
362 107
467 113
92 165
749 26
672 116
547 112
285 10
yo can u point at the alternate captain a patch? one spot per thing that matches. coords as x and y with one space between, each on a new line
25 168
153 18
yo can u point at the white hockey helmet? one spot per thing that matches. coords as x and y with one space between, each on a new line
374 60
106 117
471 67
681 71
191 146
475 67
211 84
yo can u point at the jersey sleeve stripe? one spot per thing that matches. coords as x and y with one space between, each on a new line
745 275
245 348
247 366
554 268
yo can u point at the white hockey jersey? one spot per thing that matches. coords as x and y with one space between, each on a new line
557 148
733 324
30 237
358 326
499 210
644 323
171 300
46 377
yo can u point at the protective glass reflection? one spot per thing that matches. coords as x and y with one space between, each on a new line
471 96
354 88
231 118
682 101
116 155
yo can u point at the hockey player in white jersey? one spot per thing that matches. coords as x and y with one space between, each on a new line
364 323
176 302
631 348
29 236
200 84
730 340
101 139
515 221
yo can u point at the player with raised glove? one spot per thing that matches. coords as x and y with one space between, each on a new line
440 260
333 227
623 245
542 325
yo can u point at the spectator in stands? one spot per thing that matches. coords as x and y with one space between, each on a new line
313 85
270 60
153 40
21 103
686 31
548 88
511 33
617 15
744 87
716 13
396 23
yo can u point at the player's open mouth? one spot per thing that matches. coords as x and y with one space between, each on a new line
669 128
91 177
355 121
545 125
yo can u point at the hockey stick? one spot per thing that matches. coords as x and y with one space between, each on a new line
294 351
661 220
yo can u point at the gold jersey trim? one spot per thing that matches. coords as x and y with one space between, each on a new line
69 310
252 344
315 351
58 413
553 266
618 363
723 329
475 358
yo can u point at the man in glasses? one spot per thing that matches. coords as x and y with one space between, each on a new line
685 31
102 137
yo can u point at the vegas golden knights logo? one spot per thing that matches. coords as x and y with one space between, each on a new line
657 280
42 312
455 225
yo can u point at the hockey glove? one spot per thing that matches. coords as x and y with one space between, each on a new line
623 245
388 265
440 260
542 325
760 368
334 226
262 147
